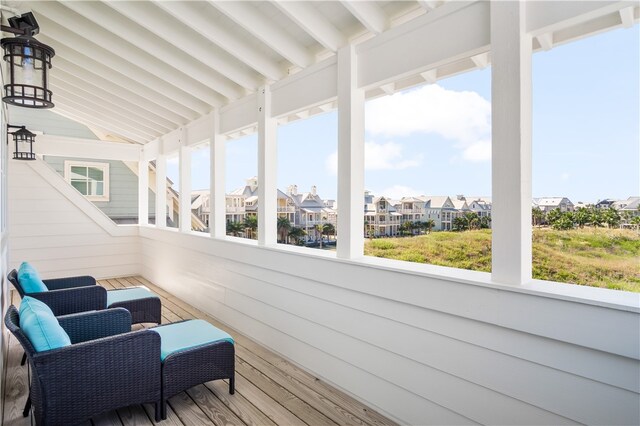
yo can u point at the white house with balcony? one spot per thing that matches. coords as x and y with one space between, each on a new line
546 204
403 343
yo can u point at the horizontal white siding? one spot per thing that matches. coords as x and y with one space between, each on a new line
423 350
55 231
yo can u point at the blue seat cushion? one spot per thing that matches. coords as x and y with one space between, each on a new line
40 326
30 280
117 296
188 334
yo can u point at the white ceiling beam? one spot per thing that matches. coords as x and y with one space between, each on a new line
369 14
77 46
176 59
545 40
429 5
116 84
315 24
163 26
87 148
627 16
82 117
68 100
254 22
104 109
133 59
389 88
481 60
430 76
223 38
71 84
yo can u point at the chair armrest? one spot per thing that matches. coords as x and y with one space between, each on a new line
94 325
97 376
73 300
69 282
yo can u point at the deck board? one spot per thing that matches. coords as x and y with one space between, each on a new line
270 390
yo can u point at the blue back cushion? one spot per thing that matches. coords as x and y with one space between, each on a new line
40 326
29 279
188 334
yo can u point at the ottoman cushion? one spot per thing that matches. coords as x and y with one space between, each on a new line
117 296
188 334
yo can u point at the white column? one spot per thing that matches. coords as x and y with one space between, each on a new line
217 219
267 169
143 192
161 191
185 185
511 144
350 157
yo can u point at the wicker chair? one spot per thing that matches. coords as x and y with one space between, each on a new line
81 294
107 366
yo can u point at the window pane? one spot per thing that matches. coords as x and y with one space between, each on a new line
241 181
80 186
96 173
585 168
99 188
173 191
200 183
428 173
307 190
78 172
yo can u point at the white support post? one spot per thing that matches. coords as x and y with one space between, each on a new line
217 217
143 192
267 169
350 157
511 144
161 191
185 184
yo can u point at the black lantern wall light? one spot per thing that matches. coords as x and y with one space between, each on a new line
23 140
29 62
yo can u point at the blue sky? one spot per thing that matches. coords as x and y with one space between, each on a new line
435 139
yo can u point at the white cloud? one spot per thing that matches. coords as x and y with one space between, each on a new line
478 151
396 192
461 116
565 176
379 156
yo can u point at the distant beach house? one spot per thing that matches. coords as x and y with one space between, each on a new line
547 204
381 217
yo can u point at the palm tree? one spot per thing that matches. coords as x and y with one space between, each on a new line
473 221
234 228
429 224
297 234
319 229
251 223
537 216
328 229
284 226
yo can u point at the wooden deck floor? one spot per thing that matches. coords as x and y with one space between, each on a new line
269 389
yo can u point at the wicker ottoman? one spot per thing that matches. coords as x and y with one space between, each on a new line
144 305
194 352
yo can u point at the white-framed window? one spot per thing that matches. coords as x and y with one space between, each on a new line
89 178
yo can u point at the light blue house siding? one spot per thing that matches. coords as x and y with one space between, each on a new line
122 206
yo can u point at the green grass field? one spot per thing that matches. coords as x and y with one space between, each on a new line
599 257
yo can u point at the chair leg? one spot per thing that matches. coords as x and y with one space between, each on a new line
232 385
163 409
158 412
24 359
27 407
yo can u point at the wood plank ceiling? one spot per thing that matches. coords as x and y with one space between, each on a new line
138 69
